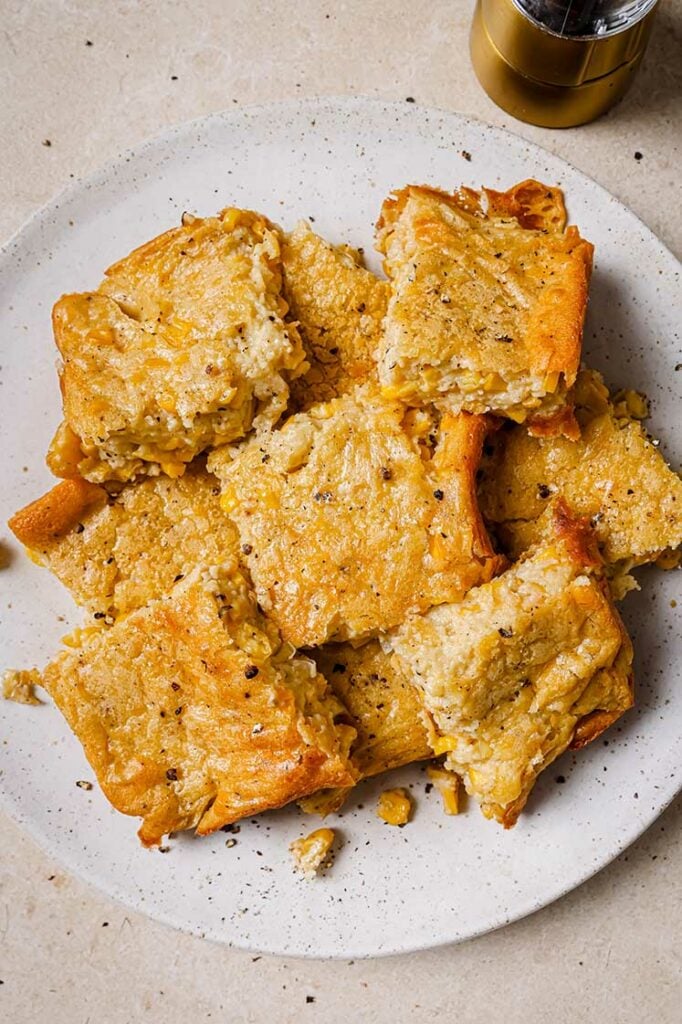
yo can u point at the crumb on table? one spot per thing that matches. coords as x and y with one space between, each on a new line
312 852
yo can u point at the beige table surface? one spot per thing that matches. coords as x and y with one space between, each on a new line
95 77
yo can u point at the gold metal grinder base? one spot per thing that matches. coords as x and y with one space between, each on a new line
552 80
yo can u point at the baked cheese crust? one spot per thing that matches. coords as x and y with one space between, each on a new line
524 666
355 513
613 474
181 348
191 714
488 300
339 307
116 552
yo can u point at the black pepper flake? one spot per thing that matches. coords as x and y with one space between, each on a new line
638 155
172 774
266 458
247 549
438 495
386 473
466 155
543 491
178 711
498 255
504 338
409 99
99 615
323 496
338 667
47 142
174 78
506 633
84 784
362 307
80 528
179 577
229 843
560 779
251 671
175 686
310 999
428 787
334 351
88 42
231 828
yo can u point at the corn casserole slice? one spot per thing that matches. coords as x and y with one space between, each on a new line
181 348
526 665
613 474
355 513
339 307
191 713
488 299
116 552
386 708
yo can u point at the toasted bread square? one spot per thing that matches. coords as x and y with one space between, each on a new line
339 307
488 300
116 552
182 345
355 513
521 668
191 714
613 474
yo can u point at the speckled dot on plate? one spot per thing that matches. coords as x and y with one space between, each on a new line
439 879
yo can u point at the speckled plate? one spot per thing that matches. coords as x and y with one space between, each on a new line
391 890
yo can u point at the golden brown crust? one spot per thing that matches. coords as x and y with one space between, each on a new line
179 348
535 206
55 513
613 474
386 708
561 423
117 552
189 719
485 315
350 495
522 667
338 306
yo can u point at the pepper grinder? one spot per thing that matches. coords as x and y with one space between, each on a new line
559 63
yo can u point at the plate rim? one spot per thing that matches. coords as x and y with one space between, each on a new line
99 175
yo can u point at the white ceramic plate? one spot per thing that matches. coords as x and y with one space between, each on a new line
440 879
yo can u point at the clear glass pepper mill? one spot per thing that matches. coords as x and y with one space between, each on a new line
559 63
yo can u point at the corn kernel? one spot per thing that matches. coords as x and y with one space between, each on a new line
229 500
231 217
517 415
397 391
173 469
394 807
551 382
437 550
630 404
448 785
167 403
443 744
